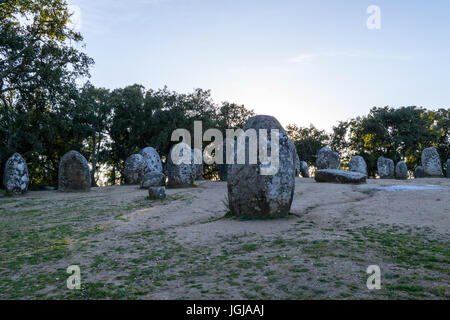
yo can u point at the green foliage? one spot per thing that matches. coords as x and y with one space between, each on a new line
142 118
308 141
44 114
400 134
38 69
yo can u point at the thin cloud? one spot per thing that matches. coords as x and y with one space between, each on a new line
308 57
302 58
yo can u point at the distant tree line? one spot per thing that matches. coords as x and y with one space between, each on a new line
44 112
399 134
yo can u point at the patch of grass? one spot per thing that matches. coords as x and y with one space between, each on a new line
368 192
249 247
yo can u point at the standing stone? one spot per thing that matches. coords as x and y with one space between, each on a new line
134 169
74 174
419 173
339 176
225 166
197 157
16 177
385 168
401 171
157 192
152 160
153 179
357 164
255 195
431 163
181 172
328 159
296 157
266 122
304 170
298 165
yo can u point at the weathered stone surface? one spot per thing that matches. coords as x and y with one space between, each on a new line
264 122
197 157
152 160
401 171
153 179
419 173
448 168
223 168
358 164
385 168
74 173
298 166
181 173
134 169
328 159
16 178
304 170
157 192
339 176
255 195
431 163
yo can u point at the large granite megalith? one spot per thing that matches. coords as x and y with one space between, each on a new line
419 173
255 195
74 173
339 176
152 159
197 161
134 169
358 164
225 166
181 170
298 164
431 163
304 170
328 159
16 178
385 168
401 171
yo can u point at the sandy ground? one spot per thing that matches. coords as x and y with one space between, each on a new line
184 247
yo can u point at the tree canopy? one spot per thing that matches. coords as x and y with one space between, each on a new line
45 112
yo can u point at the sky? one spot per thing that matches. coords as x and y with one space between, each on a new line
302 61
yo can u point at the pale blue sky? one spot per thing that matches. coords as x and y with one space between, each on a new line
302 61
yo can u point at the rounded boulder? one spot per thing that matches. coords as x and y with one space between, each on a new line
254 189
431 163
16 178
385 168
328 159
134 169
74 173
401 171
152 159
358 164
181 171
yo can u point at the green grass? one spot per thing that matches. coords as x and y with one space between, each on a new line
39 238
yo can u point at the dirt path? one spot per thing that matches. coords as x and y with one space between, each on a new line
183 248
